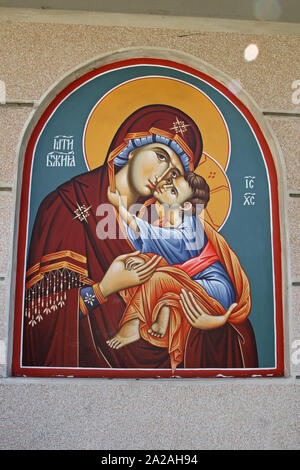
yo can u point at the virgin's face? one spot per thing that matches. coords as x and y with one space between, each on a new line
148 165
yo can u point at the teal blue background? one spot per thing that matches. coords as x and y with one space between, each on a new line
247 229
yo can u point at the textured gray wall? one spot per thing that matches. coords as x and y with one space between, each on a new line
147 414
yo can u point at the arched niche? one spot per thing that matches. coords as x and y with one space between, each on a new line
70 134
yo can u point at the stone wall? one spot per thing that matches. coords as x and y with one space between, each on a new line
38 50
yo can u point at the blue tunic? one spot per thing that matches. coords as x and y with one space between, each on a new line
179 244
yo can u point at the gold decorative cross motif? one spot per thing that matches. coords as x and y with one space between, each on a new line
82 212
179 127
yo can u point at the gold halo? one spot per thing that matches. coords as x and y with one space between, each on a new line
219 205
112 110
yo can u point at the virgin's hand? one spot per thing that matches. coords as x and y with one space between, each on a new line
117 277
197 317
133 262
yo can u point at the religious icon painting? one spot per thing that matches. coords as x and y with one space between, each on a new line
149 237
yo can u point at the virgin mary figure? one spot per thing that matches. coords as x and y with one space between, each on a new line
75 271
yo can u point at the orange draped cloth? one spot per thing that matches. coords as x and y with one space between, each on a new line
164 289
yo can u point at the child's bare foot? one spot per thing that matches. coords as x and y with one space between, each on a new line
127 334
159 328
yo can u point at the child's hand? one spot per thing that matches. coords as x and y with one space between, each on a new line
114 197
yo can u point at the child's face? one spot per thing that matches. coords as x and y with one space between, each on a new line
173 191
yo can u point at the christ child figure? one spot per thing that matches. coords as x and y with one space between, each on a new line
154 308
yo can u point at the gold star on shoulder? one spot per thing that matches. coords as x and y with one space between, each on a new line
82 212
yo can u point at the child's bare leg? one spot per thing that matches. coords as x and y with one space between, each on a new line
128 333
159 327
